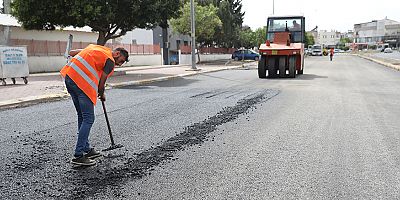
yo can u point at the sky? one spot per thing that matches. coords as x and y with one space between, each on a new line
339 15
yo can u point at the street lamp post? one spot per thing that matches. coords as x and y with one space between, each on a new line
273 7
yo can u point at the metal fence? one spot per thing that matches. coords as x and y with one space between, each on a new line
57 48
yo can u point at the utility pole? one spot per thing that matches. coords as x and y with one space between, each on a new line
7 10
273 7
193 34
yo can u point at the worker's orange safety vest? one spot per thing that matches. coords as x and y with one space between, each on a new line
86 67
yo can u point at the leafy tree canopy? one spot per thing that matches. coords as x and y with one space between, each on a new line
206 22
231 15
309 39
261 35
247 38
111 18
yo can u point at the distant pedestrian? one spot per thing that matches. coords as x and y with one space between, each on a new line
331 54
85 77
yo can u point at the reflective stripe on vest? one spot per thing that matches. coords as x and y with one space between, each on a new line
84 76
88 66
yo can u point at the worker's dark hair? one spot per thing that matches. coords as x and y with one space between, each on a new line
123 52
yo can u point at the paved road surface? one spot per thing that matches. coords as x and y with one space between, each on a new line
332 133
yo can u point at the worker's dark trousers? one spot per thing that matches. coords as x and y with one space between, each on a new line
85 110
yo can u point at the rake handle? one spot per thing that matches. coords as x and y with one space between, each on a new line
108 123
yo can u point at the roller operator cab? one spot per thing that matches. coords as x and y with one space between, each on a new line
282 55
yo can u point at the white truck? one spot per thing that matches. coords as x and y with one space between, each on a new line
316 50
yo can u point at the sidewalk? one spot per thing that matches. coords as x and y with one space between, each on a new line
388 62
50 86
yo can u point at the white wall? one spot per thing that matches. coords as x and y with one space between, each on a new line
186 59
19 33
144 60
38 64
45 63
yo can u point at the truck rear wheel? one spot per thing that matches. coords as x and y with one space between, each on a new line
271 67
282 66
292 66
262 68
302 68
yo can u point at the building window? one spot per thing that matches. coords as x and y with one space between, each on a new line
185 43
134 42
178 44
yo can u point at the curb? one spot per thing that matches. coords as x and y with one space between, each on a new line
27 101
147 81
380 62
123 70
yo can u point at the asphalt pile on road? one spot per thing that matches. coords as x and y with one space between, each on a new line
106 178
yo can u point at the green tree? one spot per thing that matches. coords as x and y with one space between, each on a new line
232 20
248 38
231 15
111 19
309 39
342 43
206 22
261 35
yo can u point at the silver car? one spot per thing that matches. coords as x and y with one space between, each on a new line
388 50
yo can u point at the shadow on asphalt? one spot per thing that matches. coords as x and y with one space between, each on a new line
174 82
309 76
300 77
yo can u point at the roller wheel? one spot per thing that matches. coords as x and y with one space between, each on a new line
272 72
292 66
25 80
282 67
262 68
302 68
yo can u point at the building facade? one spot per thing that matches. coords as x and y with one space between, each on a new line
377 32
329 38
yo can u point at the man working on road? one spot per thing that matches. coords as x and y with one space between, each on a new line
331 54
85 76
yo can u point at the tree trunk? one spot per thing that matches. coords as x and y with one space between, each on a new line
101 40
165 45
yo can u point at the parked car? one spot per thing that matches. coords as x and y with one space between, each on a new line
173 59
246 54
388 50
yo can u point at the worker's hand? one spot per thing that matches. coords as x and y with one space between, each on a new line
102 97
100 92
